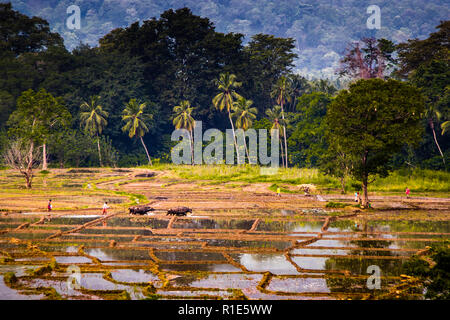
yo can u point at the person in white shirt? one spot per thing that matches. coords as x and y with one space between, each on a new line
105 206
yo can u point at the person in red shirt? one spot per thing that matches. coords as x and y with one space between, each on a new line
407 192
49 205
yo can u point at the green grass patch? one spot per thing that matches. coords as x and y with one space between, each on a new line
418 180
275 186
10 279
332 204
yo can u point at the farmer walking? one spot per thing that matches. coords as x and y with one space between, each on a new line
407 192
49 205
105 207
279 192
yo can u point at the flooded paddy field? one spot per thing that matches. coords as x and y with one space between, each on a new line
234 245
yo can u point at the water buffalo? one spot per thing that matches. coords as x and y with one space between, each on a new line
179 211
143 209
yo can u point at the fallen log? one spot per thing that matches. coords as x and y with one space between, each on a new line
179 211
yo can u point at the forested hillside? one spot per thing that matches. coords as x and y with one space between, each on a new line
321 28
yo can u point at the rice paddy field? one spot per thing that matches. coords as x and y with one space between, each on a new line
241 241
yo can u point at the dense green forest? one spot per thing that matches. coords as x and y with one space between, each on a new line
165 71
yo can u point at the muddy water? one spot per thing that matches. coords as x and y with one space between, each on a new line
194 257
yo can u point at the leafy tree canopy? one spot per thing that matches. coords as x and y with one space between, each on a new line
371 121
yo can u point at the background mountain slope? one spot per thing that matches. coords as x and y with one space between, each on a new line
322 28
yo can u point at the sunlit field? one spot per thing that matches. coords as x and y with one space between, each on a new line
241 240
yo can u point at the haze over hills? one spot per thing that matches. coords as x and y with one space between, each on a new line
322 28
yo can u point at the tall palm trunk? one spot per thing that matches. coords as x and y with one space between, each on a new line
282 152
234 137
246 149
365 179
29 170
192 146
99 151
44 156
284 133
146 151
430 121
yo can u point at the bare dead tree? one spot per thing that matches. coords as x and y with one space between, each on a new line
370 60
23 156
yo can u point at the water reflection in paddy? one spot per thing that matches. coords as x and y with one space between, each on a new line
110 254
299 285
275 263
7 293
213 224
189 256
225 281
208 258
129 275
221 267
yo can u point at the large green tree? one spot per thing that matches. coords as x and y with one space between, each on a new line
269 59
371 121
20 34
307 141
47 113
23 39
426 64
432 79
414 53
182 54
32 121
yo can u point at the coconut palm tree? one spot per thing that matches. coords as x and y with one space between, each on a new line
244 114
93 118
135 118
183 120
224 100
275 117
282 92
445 126
300 86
